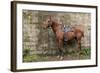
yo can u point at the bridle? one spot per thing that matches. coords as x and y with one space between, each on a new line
49 23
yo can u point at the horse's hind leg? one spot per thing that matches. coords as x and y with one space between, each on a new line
79 45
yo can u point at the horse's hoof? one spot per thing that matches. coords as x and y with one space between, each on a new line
58 56
61 58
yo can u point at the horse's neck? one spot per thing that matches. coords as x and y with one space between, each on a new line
55 27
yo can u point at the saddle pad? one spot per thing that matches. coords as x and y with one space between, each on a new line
65 37
66 30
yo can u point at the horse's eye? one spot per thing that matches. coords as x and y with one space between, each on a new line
48 21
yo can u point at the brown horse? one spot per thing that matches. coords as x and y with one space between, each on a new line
76 34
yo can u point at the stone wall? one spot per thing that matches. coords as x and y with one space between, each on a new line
38 40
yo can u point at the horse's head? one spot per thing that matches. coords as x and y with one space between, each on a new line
48 22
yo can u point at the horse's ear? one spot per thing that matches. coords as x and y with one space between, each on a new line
50 17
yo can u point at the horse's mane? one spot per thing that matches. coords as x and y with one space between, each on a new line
57 23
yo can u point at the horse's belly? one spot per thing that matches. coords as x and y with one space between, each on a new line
68 36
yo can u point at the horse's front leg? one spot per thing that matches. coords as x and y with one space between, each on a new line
60 54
